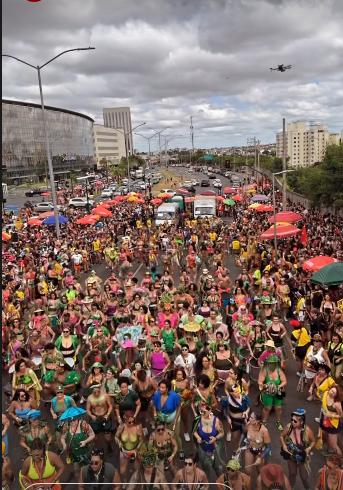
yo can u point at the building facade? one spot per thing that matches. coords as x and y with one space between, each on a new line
305 143
109 145
23 143
120 118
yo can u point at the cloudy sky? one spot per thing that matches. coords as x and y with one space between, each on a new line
170 59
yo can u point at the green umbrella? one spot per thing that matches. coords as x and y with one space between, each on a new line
331 275
229 202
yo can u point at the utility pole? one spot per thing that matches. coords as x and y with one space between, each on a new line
192 138
284 166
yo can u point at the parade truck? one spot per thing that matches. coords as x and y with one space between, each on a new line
205 206
168 213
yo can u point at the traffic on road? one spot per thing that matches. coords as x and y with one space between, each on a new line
181 332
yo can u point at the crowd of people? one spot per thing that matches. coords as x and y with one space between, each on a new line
123 338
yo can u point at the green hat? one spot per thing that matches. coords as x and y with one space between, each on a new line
97 365
233 464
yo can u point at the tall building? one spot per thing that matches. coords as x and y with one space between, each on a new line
109 145
120 118
305 143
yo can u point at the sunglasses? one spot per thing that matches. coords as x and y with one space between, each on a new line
189 463
66 331
160 429
294 420
95 463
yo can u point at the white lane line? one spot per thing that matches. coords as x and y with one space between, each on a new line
138 269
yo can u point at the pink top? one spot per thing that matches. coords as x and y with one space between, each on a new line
158 362
162 317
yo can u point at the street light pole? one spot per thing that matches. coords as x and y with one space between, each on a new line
45 129
126 149
283 172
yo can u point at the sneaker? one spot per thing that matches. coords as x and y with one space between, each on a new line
317 419
299 374
82 400
309 398
279 426
187 438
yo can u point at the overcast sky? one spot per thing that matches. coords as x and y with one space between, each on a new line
169 59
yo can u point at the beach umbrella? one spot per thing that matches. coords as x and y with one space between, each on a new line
259 198
165 195
132 198
183 191
219 198
72 413
316 263
104 205
50 220
140 201
287 216
237 197
46 214
120 198
156 201
229 190
282 231
110 202
255 205
331 275
103 212
34 222
250 191
5 236
229 202
208 193
86 220
264 208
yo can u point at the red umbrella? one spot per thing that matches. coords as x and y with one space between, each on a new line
103 212
208 193
183 191
86 220
237 197
156 201
5 236
282 231
34 222
286 216
120 198
316 263
220 198
229 190
110 202
47 214
104 205
264 208
189 199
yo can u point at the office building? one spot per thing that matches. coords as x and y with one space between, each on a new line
120 118
23 143
109 145
305 143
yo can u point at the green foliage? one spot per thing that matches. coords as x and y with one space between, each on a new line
323 183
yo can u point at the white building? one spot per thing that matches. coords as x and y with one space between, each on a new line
305 143
109 144
120 118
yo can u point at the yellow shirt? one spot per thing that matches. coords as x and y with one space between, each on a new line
213 236
96 245
236 245
324 386
302 336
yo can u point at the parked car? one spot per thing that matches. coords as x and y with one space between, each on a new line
34 192
167 191
106 193
187 183
79 202
205 183
217 183
42 207
122 190
211 176
195 182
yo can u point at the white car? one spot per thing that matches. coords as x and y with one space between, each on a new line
195 183
79 202
106 193
167 191
42 207
187 183
217 183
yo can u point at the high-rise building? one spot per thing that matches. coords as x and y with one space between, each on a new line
120 118
109 145
305 143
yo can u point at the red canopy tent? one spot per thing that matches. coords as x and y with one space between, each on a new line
229 190
316 263
264 208
34 222
286 216
103 212
237 197
86 220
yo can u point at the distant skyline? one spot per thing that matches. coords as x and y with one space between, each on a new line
170 59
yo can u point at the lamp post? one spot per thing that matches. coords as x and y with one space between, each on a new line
274 203
126 149
45 129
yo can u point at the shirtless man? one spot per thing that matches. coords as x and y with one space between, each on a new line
100 409
234 478
191 474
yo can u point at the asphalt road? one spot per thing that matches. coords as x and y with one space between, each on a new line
293 398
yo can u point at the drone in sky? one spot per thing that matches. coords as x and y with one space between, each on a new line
281 68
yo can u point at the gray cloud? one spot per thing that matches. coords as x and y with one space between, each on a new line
168 59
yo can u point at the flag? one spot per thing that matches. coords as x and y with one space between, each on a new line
303 236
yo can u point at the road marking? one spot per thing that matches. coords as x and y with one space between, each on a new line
138 269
